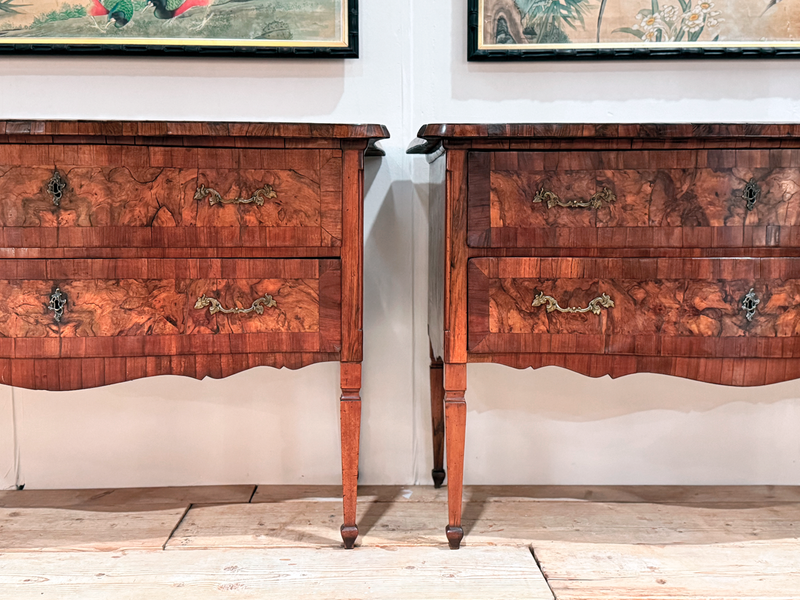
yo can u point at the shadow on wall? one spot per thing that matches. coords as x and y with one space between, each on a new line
383 245
556 393
388 340
612 81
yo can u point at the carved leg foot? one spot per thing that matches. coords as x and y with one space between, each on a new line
349 535
437 420
438 477
454 536
455 382
350 410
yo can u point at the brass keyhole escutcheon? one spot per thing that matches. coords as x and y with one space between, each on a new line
751 194
55 187
749 304
58 302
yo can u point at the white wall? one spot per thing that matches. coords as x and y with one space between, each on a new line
266 426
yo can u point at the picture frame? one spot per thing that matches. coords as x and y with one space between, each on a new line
285 28
609 29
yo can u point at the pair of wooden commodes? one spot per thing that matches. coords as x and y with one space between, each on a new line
204 249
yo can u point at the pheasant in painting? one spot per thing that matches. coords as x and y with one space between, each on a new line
167 9
118 11
121 11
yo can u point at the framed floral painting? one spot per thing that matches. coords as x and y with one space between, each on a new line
315 28
531 29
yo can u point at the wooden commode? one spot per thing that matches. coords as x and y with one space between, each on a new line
133 249
609 250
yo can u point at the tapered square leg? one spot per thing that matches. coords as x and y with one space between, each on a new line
455 383
437 420
350 411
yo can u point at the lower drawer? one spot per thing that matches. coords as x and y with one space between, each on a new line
164 307
647 307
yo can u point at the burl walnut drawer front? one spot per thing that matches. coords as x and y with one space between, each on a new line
164 307
654 307
617 199
99 196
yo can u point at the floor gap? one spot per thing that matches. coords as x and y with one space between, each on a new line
539 566
178 524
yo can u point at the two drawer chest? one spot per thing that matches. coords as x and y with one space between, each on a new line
133 249
609 250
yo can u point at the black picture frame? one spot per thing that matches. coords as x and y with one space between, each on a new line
348 48
476 51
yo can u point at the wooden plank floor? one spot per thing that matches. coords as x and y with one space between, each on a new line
622 543
102 520
290 573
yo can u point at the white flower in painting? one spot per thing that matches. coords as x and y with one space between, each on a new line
648 23
671 13
713 22
694 20
650 36
705 7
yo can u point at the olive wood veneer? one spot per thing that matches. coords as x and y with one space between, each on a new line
133 249
609 249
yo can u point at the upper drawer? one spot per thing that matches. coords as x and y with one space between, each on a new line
134 196
167 307
635 199
716 308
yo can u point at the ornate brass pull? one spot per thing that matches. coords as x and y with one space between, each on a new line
58 302
55 187
751 193
595 306
214 306
749 304
258 198
604 196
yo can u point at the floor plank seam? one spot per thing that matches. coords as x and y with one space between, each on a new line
177 525
544 575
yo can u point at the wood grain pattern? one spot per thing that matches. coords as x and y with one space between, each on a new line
297 573
755 570
33 131
437 419
699 314
350 419
484 133
679 194
143 198
150 311
677 251
134 242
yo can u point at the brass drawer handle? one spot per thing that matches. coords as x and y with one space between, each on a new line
259 304
58 302
55 187
596 201
595 306
214 197
749 304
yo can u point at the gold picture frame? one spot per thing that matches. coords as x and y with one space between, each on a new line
296 28
539 29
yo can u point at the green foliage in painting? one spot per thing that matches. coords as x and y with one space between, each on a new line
546 20
64 12
9 7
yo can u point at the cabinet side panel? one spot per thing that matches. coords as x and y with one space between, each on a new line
455 317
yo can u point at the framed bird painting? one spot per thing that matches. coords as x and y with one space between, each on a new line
569 29
313 28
